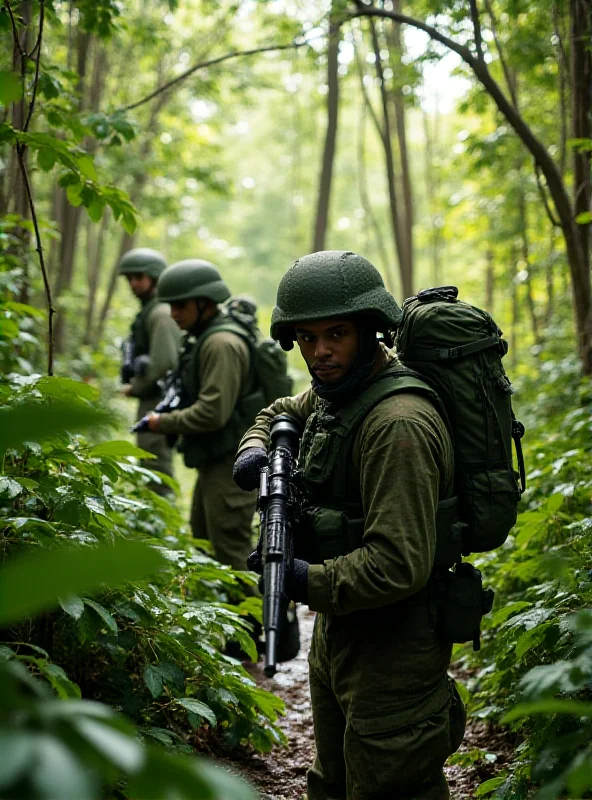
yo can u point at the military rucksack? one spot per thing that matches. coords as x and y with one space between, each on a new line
457 349
270 363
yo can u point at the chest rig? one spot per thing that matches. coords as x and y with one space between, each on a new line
331 484
139 329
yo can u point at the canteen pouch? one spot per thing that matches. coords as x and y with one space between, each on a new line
460 603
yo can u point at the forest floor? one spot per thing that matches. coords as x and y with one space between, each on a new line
281 774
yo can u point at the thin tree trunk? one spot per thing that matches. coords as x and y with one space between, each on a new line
490 280
432 195
324 194
365 197
514 303
94 257
550 279
395 43
525 252
581 79
17 192
126 243
397 223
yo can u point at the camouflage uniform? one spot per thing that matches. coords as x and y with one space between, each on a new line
156 337
386 716
215 372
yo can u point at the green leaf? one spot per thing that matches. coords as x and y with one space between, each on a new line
103 614
72 605
584 218
199 709
119 449
123 751
11 87
73 193
34 420
33 583
86 165
128 220
503 613
17 752
549 706
46 159
153 680
10 488
554 503
62 684
56 772
489 786
96 208
531 638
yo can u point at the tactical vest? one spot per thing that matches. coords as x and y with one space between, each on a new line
203 449
139 329
335 510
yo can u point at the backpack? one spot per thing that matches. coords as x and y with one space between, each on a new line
270 362
457 349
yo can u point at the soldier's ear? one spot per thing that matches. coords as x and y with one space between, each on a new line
286 344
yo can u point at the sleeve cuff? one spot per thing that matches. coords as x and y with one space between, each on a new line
252 442
319 589
166 423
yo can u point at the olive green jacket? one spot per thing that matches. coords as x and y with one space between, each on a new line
163 350
223 367
403 455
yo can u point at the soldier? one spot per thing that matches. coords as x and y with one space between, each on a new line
376 459
219 402
152 350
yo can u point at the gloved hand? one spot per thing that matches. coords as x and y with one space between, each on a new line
296 581
247 467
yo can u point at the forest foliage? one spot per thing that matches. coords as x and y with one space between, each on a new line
139 123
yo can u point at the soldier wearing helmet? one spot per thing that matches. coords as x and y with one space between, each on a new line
375 460
150 351
219 403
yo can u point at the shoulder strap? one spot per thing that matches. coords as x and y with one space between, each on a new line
392 381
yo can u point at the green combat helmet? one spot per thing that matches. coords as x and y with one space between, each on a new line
331 283
189 279
142 259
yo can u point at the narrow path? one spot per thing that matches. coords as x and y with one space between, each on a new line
281 774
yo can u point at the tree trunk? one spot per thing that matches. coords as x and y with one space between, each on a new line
525 252
324 195
395 43
581 78
126 243
432 180
94 260
514 303
396 219
365 198
489 280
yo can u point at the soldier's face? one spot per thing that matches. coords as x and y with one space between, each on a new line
185 313
140 283
329 347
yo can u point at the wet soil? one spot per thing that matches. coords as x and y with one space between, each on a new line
281 774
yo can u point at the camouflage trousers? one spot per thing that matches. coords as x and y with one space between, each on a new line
223 513
386 715
156 444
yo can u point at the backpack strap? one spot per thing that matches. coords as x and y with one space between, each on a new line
446 353
229 326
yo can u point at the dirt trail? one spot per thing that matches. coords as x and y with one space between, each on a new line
281 774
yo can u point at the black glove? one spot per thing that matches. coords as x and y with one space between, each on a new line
247 467
296 581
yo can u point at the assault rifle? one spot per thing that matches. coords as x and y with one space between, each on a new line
278 507
173 398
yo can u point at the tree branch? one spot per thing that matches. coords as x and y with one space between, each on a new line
20 151
210 63
37 60
554 222
477 29
503 62
15 34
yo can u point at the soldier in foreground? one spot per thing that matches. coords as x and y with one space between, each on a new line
150 351
386 715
